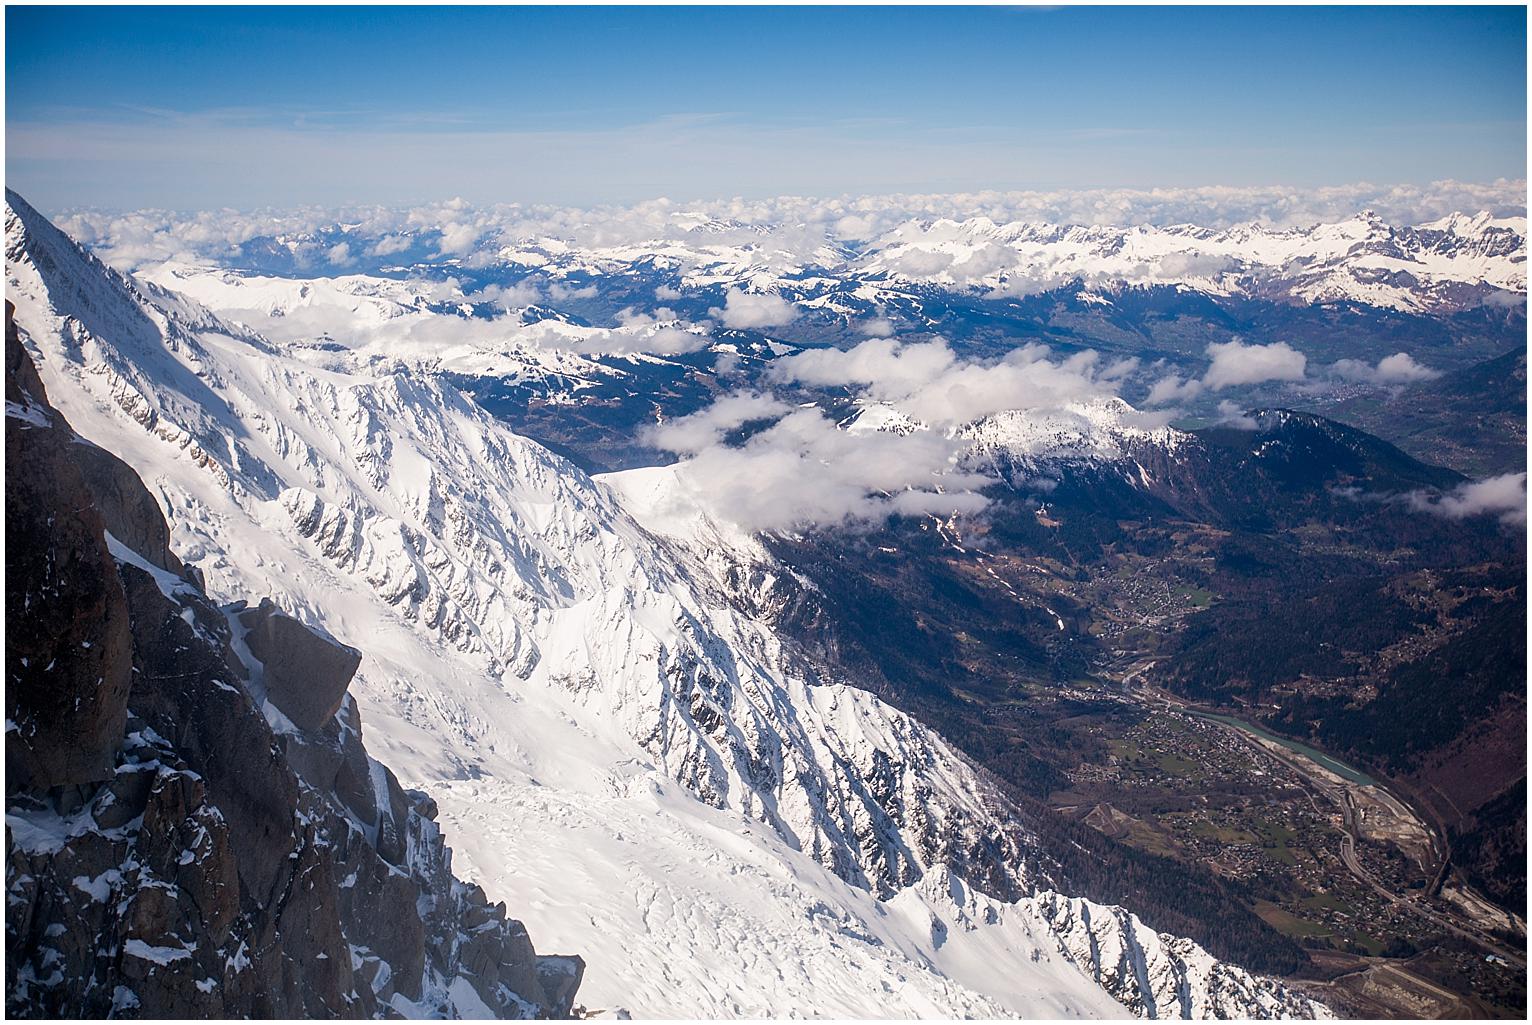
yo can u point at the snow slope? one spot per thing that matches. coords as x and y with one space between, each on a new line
636 765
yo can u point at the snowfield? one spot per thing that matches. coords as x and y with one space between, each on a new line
640 769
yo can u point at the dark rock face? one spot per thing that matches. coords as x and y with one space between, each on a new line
303 674
170 853
67 646
127 507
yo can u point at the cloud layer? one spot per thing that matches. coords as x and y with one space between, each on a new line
801 468
799 225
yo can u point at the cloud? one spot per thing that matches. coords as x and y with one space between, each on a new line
890 368
1120 368
644 337
754 310
338 254
705 428
1235 363
1232 364
674 340
1504 496
1398 369
457 239
792 231
511 297
928 382
665 292
1231 414
983 262
1172 388
805 469
920 263
388 245
563 293
1193 265
855 227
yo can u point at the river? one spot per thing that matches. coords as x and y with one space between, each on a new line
1341 769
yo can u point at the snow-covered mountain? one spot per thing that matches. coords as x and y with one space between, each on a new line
1456 262
649 775
193 825
1453 263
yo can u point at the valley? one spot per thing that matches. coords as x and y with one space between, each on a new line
1339 866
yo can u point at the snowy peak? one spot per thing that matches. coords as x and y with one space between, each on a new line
1098 431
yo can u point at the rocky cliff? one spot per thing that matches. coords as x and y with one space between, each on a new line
193 826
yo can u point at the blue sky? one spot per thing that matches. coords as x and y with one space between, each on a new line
192 107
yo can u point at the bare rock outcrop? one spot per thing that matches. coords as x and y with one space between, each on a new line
173 847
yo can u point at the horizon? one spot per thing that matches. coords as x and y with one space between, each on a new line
279 108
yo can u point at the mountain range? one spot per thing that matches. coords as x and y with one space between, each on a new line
656 736
638 767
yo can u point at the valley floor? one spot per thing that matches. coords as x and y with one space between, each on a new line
1340 864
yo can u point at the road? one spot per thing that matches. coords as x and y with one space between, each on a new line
1353 863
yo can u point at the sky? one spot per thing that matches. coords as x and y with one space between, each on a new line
198 108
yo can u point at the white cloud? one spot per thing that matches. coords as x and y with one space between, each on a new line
1232 364
339 254
754 310
563 293
1231 414
511 297
1120 368
920 263
890 368
1172 388
705 428
1504 496
927 381
388 245
637 338
796 227
457 239
1235 363
1192 265
854 227
804 469
983 262
665 292
631 316
1398 369
674 341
